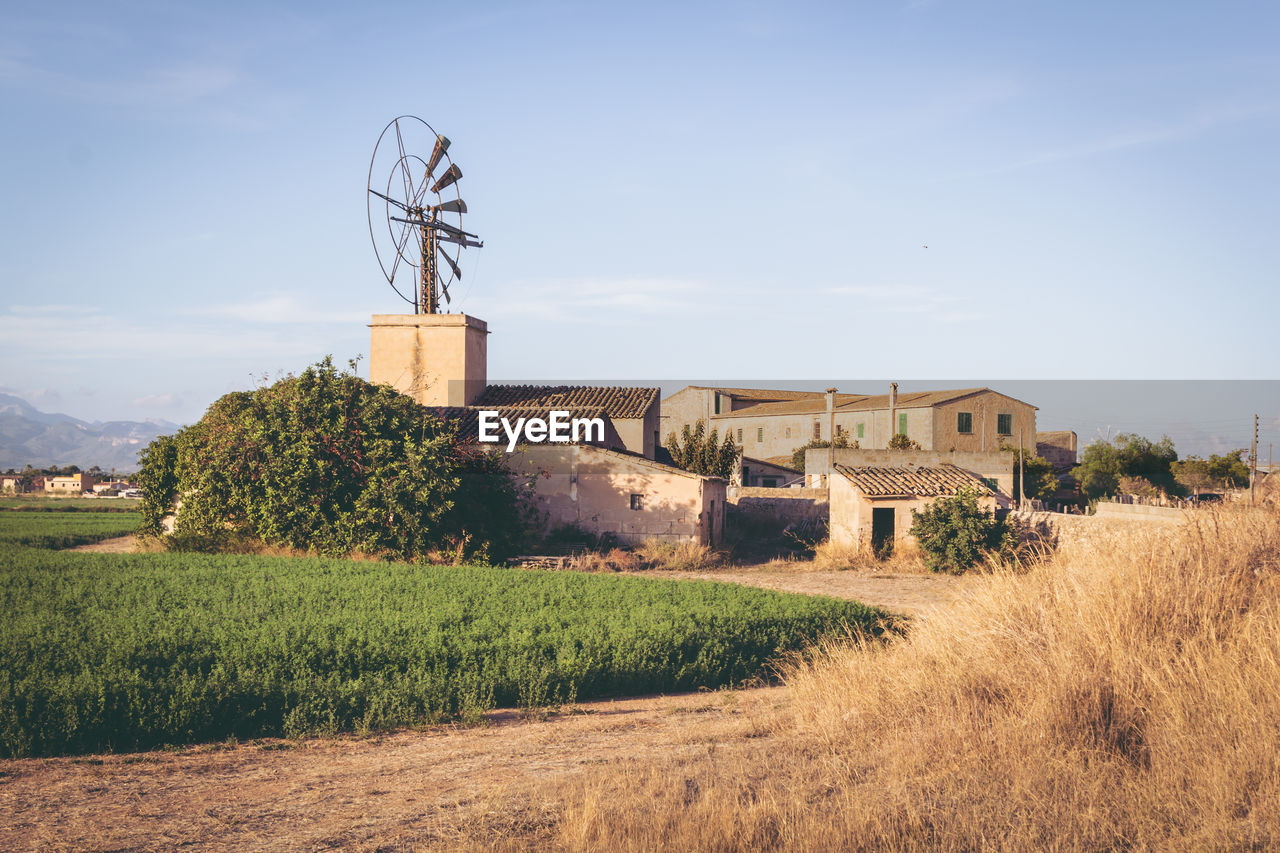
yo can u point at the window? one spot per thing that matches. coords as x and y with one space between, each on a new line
964 422
990 483
788 432
1004 423
717 404
817 429
839 429
637 501
769 482
902 423
739 436
759 434
860 428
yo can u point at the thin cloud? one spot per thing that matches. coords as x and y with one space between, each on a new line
37 332
280 308
151 402
1134 138
591 300
910 299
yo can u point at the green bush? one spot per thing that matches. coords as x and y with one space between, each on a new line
954 533
328 463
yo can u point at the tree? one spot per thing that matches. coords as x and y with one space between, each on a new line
327 462
1224 471
901 442
1103 463
954 533
797 455
702 453
1042 481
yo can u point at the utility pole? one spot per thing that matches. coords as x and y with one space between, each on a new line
1253 458
1022 473
831 434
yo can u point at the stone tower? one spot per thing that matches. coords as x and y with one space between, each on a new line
437 359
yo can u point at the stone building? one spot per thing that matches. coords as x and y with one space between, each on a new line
995 468
605 484
74 484
969 419
872 506
441 360
621 494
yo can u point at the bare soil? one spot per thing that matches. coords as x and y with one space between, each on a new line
119 545
447 787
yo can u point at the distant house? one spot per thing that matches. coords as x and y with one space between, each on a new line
14 485
75 484
872 506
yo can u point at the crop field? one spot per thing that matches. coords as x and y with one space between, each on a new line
127 651
63 529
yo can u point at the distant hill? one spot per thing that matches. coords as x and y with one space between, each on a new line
29 436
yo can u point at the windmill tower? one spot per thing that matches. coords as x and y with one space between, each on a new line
415 222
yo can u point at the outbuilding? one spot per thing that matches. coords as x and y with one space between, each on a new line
872 506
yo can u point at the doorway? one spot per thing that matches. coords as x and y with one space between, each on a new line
882 523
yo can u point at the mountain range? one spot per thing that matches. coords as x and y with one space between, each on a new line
29 436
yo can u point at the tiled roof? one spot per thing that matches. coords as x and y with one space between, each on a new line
764 394
807 405
909 399
467 419
857 403
615 401
917 482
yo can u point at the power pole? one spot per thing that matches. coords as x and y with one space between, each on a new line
1022 473
1253 459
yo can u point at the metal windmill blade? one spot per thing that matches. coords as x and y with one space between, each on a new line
415 217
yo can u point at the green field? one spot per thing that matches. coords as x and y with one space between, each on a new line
64 529
127 651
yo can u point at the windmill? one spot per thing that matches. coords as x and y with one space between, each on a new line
422 212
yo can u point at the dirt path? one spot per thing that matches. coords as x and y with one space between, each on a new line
441 787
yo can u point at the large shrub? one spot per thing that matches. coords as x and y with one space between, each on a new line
329 463
954 533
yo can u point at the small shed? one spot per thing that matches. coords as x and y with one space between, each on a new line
873 505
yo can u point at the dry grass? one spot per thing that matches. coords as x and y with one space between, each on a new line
677 556
1119 696
904 559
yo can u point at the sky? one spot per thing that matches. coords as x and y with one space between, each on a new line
950 191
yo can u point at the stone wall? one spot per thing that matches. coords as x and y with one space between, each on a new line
789 505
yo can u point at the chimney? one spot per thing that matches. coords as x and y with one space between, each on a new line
893 409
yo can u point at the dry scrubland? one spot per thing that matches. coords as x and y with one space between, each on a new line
1125 695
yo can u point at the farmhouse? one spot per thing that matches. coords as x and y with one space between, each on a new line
770 424
608 483
74 484
872 506
441 360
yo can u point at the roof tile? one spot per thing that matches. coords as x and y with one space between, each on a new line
916 482
617 402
